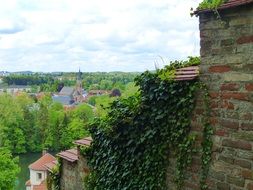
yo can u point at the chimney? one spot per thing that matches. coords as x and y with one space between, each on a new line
44 151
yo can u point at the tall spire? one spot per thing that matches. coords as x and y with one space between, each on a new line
79 75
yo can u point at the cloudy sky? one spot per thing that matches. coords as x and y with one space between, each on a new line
95 35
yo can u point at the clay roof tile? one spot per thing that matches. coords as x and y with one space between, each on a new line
40 163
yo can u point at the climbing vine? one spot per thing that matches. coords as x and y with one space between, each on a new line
132 144
53 180
207 142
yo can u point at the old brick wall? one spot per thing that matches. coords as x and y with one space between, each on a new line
72 174
227 69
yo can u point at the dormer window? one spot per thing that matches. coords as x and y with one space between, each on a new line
39 176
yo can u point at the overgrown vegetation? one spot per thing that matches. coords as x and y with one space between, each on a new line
53 180
132 143
211 4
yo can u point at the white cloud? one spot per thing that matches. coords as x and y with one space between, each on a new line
61 35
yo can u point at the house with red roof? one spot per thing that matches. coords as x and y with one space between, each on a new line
38 172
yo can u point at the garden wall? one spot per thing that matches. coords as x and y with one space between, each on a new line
227 69
73 173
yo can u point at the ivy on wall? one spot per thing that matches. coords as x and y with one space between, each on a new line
132 144
54 176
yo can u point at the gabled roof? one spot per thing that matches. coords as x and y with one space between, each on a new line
84 142
65 100
227 5
49 166
67 91
39 165
69 155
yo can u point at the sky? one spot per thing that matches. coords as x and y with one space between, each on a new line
95 35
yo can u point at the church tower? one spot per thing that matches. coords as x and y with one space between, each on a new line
78 94
79 80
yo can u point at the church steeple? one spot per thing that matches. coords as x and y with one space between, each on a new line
79 80
79 75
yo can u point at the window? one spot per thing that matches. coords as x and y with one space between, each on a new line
39 176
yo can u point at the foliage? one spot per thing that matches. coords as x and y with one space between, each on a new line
27 79
132 143
30 125
53 180
9 169
101 103
207 141
211 4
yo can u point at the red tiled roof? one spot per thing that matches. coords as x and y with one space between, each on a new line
187 73
42 186
69 155
39 164
49 166
227 5
84 142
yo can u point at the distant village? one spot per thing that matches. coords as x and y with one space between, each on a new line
68 96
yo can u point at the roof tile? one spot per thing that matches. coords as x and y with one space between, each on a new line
69 155
40 163
84 142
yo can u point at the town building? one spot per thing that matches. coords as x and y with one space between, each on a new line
38 172
70 96
12 89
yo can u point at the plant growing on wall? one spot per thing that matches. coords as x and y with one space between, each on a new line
133 142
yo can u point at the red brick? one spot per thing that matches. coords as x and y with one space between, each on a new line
199 111
214 94
213 120
229 124
244 145
245 39
191 185
228 105
243 163
247 174
221 132
250 186
249 87
214 105
229 87
219 69
235 95
247 116
247 126
195 126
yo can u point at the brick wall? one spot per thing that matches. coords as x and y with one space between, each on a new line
227 69
72 174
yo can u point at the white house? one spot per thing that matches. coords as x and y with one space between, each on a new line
38 172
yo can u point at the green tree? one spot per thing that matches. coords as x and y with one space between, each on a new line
9 169
12 120
79 118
